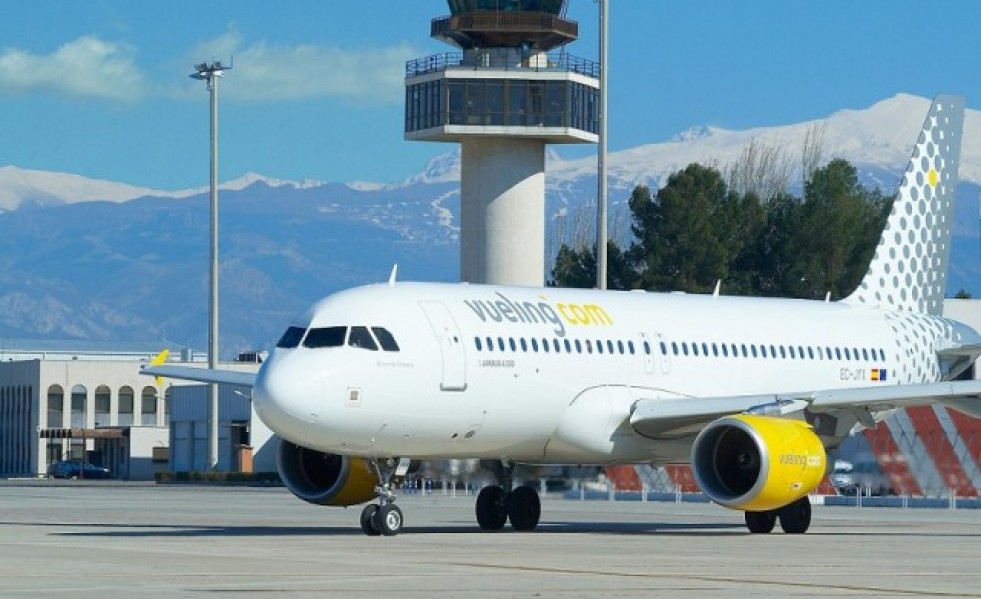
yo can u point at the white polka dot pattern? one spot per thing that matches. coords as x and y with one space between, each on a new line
909 269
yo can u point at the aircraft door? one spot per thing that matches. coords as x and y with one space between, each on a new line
647 349
454 364
665 356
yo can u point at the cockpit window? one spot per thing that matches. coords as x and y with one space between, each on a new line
360 337
385 339
325 337
291 338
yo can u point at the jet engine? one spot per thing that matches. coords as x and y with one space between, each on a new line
324 478
757 463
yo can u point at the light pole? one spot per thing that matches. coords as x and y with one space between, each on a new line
211 73
601 196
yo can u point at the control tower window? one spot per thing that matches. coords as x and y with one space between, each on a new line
325 337
361 338
387 341
291 338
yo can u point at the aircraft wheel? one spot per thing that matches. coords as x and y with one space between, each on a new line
368 515
491 510
389 519
795 518
760 522
525 509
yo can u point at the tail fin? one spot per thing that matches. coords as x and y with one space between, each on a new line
909 269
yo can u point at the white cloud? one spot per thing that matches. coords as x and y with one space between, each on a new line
264 71
86 67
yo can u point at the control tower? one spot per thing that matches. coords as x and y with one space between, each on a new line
503 96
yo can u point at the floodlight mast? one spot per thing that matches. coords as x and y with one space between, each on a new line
211 73
603 188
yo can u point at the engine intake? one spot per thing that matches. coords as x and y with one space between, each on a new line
757 463
324 478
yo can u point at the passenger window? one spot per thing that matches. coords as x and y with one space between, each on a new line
534 345
674 347
762 351
630 346
848 354
793 354
500 343
715 350
599 347
326 337
578 347
568 347
745 353
705 349
827 352
620 346
684 348
387 341
609 346
865 354
810 352
664 349
361 339
291 338
490 344
725 350
838 353
476 342
773 351
556 346
589 346
514 346
752 349
524 344
694 349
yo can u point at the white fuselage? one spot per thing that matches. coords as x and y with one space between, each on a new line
551 375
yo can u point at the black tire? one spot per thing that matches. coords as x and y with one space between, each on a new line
368 520
389 519
795 518
491 510
525 509
760 523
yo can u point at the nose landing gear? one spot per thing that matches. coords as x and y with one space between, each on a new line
384 518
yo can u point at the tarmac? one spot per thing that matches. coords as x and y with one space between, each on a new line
88 539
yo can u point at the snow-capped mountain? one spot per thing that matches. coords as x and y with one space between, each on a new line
102 260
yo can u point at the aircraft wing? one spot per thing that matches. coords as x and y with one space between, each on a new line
203 375
666 418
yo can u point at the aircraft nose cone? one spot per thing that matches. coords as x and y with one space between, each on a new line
282 393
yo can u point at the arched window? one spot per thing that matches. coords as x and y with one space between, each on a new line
125 406
101 406
148 404
79 398
56 407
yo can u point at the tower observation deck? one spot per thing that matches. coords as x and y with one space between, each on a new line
507 91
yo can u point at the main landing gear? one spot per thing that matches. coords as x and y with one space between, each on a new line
496 504
384 517
795 518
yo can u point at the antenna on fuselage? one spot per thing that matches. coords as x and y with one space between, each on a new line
391 277
718 286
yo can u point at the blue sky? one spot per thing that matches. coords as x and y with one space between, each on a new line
100 88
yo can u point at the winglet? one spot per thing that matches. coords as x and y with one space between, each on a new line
157 361
718 287
391 277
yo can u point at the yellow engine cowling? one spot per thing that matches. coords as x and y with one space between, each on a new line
324 478
757 463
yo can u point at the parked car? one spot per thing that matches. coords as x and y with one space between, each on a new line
865 477
74 469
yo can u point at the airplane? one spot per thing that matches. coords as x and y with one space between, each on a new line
752 392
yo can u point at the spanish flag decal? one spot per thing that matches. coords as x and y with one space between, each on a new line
879 374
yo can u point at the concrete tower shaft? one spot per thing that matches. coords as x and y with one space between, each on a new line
503 98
